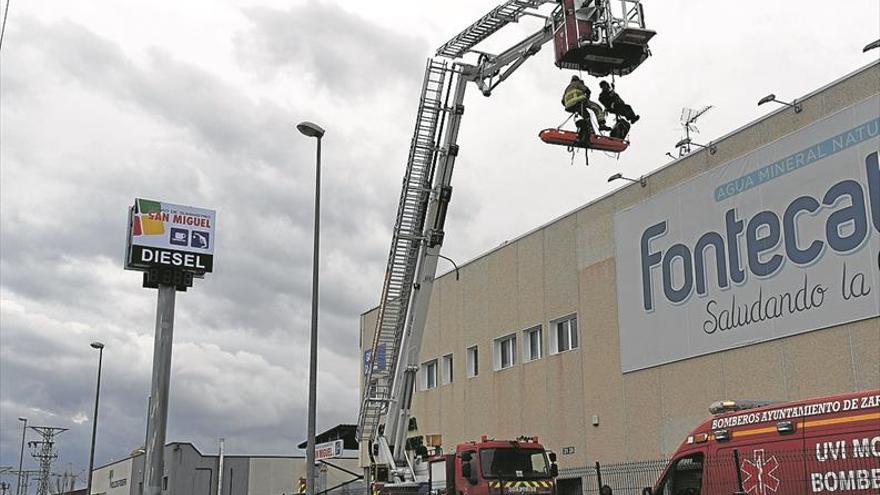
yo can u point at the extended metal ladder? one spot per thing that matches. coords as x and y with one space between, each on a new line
486 26
404 255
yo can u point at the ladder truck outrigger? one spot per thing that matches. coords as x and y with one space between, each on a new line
601 37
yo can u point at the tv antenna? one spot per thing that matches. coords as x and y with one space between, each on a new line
689 118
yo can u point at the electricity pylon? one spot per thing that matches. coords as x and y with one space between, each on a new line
44 452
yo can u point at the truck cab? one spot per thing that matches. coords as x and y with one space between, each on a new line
822 445
496 467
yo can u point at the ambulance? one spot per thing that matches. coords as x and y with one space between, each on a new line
822 445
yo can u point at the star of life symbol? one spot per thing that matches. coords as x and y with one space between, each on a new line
759 478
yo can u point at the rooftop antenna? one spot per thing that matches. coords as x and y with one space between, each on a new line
689 118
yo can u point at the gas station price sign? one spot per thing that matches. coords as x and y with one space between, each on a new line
171 244
170 237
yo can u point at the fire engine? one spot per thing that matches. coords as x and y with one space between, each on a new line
494 466
600 37
822 445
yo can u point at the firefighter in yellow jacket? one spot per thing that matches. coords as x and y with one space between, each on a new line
576 99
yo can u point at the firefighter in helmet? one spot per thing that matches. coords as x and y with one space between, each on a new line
576 99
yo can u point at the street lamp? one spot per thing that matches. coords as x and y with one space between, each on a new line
640 181
772 98
310 129
100 347
21 456
687 143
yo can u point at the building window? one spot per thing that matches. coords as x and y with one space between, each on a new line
429 374
533 344
433 440
447 369
473 362
165 482
505 352
564 334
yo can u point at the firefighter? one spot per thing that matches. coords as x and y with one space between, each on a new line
615 104
576 99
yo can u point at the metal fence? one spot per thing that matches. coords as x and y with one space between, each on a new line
839 467
624 478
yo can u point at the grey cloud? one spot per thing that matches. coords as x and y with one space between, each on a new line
239 134
351 56
180 93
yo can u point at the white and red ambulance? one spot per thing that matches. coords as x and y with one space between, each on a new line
822 445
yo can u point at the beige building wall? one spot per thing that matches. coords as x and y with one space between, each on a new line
271 475
113 479
279 475
580 400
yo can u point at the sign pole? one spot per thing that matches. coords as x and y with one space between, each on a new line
171 244
154 469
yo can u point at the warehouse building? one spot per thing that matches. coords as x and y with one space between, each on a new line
745 271
190 472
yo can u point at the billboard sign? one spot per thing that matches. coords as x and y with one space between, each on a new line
165 235
379 364
781 241
328 450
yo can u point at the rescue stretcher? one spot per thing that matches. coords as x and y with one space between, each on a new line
593 141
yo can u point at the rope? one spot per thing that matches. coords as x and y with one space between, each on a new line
565 121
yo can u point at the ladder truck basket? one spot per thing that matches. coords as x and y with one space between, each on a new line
591 36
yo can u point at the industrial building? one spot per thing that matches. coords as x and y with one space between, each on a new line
190 472
747 269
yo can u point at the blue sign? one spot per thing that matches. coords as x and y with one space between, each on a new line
200 239
179 237
379 364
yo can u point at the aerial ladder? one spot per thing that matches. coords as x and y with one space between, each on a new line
588 35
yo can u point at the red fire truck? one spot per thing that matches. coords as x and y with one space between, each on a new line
491 467
822 445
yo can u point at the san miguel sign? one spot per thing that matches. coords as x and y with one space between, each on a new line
169 236
782 241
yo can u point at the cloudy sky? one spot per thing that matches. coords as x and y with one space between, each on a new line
195 103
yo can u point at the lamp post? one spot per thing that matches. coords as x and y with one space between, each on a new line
640 181
771 97
100 347
310 129
21 456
